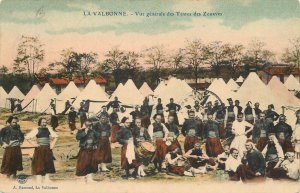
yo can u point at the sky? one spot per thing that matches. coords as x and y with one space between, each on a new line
65 24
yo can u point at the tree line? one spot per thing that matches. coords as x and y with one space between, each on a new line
195 58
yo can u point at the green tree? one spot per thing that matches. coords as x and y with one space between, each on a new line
30 54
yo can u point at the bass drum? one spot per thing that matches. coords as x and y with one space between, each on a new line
146 150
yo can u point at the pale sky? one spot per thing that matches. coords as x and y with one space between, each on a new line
62 24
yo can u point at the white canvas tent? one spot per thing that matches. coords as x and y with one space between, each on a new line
232 85
129 94
254 90
28 102
95 94
3 96
292 83
16 93
240 79
43 99
220 88
279 88
69 93
118 90
145 90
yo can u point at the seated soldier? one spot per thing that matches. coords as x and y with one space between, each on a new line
221 159
199 160
288 169
175 164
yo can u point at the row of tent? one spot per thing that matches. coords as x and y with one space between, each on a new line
252 89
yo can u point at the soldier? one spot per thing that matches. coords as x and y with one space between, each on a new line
192 129
261 130
284 132
11 138
257 111
160 110
159 133
136 113
129 159
212 136
103 153
115 127
230 117
173 108
145 113
72 119
82 113
115 104
43 159
86 162
220 117
271 115
173 134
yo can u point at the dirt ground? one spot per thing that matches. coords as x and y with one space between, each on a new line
67 147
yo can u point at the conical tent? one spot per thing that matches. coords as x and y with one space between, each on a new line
160 87
28 102
43 99
220 88
3 96
240 79
16 93
130 95
118 90
95 94
145 90
175 89
292 83
254 90
232 85
69 93
277 87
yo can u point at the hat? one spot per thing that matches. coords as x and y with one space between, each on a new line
124 119
249 141
271 105
249 103
236 101
229 99
188 107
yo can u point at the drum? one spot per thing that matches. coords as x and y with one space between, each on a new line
146 150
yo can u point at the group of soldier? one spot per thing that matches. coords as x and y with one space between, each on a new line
248 144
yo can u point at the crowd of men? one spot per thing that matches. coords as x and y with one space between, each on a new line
247 143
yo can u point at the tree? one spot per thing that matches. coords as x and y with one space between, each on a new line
196 56
176 60
115 60
75 64
216 55
30 55
132 63
291 55
156 58
3 69
256 55
233 57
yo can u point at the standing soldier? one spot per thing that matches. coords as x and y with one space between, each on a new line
257 110
284 132
159 133
129 158
212 136
238 108
271 115
103 112
115 127
72 119
103 154
192 130
136 113
115 104
249 113
11 138
220 117
88 140
145 113
173 134
82 113
160 110
43 159
173 108
54 118
261 130
230 117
